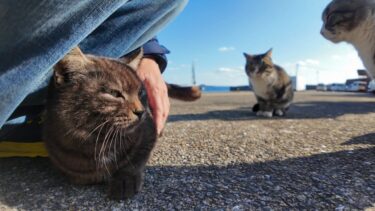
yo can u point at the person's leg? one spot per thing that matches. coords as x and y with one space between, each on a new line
35 35
131 26
128 28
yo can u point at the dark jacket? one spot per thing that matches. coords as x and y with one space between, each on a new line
153 49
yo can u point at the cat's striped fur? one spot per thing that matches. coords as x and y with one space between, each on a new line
352 21
271 85
98 127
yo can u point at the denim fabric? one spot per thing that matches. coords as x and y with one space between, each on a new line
153 47
157 52
35 34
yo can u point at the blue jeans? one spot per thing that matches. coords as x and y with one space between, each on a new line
35 34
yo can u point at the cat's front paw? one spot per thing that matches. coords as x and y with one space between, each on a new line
267 114
126 187
279 112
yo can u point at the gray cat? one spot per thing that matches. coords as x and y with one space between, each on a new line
352 21
271 84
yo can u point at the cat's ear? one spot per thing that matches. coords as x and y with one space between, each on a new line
267 57
133 58
269 53
73 62
248 56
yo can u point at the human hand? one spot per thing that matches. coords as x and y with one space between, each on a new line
157 92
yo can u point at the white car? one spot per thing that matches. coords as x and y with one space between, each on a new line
371 86
338 87
357 86
321 87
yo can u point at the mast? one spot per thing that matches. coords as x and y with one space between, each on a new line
193 74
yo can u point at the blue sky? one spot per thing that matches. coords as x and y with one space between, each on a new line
215 33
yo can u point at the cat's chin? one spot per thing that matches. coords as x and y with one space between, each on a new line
131 126
335 41
331 37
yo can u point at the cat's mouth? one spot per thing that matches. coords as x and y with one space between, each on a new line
255 74
331 36
128 123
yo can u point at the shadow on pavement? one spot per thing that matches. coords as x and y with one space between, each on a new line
339 180
345 94
365 139
305 110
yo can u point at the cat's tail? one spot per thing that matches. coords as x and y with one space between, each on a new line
188 93
256 107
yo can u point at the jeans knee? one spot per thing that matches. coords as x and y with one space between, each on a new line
182 3
176 4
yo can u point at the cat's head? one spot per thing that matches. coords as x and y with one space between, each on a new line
258 64
90 92
343 20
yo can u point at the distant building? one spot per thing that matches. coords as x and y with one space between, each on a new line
350 81
363 76
311 87
298 82
363 73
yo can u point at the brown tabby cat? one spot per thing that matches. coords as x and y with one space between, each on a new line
96 128
352 21
271 84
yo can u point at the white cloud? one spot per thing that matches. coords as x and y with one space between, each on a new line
229 70
223 77
313 62
302 63
336 57
309 65
332 68
226 49
309 62
178 67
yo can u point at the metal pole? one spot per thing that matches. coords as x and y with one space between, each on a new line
193 74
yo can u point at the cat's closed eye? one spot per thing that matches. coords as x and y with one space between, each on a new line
338 18
112 92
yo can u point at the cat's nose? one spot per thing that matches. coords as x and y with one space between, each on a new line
322 32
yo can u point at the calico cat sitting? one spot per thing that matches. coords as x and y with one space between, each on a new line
352 21
98 127
271 85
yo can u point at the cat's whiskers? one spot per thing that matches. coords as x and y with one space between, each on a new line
102 149
107 157
113 138
69 131
98 127
96 143
102 157
118 136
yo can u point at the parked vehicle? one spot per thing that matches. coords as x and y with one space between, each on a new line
321 87
329 87
338 87
371 86
357 86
